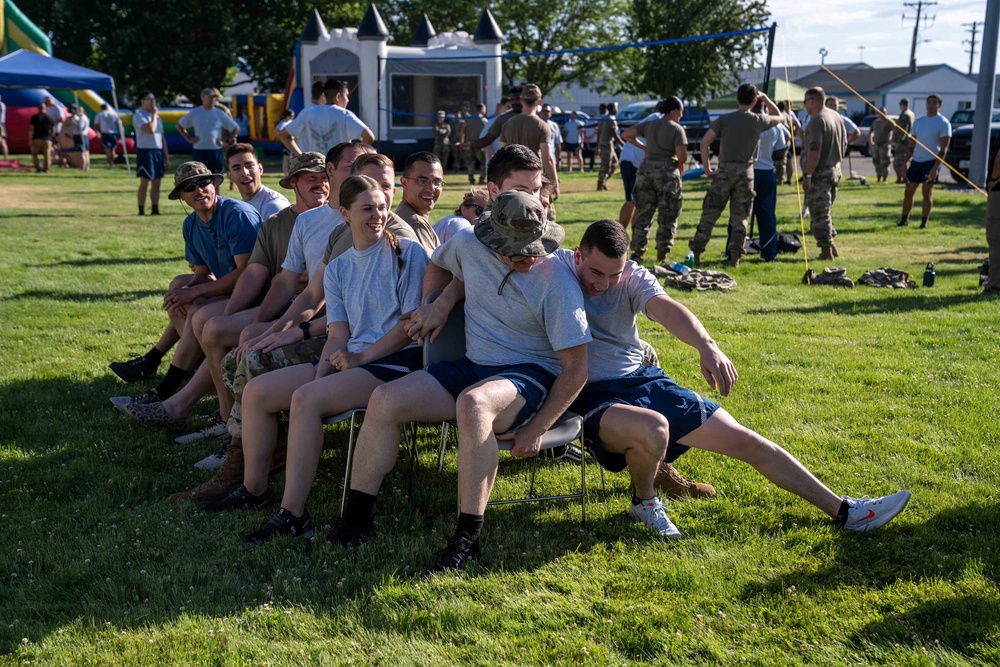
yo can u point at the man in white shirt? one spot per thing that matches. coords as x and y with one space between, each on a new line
152 158
212 128
245 171
320 127
574 141
931 133
106 121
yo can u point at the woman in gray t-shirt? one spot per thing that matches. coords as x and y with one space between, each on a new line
367 288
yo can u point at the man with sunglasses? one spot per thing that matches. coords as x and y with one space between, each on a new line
472 206
526 342
219 236
422 181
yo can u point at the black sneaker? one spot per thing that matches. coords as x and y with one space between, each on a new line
462 549
345 535
135 370
241 499
282 523
565 454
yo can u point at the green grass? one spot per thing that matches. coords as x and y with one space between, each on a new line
874 390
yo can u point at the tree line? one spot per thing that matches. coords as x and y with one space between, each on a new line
177 47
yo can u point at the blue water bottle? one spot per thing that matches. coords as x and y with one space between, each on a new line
679 268
929 275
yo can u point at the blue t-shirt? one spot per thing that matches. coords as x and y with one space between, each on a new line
231 231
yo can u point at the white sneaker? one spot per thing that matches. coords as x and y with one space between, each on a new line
213 462
651 514
871 513
216 429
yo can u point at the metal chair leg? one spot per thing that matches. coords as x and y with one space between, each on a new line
534 465
445 426
347 471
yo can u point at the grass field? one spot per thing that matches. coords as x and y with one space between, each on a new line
874 390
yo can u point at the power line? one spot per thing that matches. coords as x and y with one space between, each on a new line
972 28
920 5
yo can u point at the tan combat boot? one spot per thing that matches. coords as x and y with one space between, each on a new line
826 254
227 479
673 485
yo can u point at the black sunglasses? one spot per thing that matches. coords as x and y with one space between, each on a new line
479 209
194 185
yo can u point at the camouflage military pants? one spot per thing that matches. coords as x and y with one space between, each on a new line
733 186
457 157
476 155
657 188
609 162
881 160
779 166
236 375
819 199
899 159
993 240
442 149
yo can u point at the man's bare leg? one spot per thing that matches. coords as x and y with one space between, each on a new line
641 436
217 336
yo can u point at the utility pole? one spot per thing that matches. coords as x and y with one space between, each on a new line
861 54
920 5
973 28
978 160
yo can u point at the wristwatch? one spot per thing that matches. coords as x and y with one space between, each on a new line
304 327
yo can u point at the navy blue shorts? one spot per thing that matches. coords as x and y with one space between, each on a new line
629 172
570 147
210 157
78 142
647 388
396 365
149 163
917 172
109 139
531 381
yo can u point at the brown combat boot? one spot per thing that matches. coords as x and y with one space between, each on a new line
826 254
226 480
833 249
673 485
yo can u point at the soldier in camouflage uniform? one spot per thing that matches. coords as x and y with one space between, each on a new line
455 141
880 137
607 137
824 147
901 139
471 130
658 183
442 135
732 183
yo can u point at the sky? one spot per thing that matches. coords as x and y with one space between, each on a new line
841 26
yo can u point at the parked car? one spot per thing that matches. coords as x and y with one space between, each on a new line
968 117
695 122
960 149
861 144
631 114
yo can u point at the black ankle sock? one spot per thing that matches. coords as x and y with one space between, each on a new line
142 210
471 524
171 382
156 210
359 508
923 221
841 519
154 356
636 500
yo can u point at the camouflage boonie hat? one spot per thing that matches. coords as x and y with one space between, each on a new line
191 171
303 162
516 225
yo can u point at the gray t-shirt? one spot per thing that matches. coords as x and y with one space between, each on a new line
369 291
342 237
445 228
207 125
739 133
615 351
309 238
268 202
536 314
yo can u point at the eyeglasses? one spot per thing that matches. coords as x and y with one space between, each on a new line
194 185
437 184
476 207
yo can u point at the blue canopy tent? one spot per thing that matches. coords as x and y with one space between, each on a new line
27 69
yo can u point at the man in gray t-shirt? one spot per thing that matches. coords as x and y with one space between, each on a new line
634 416
526 337
732 183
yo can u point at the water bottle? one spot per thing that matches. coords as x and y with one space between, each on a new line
689 259
680 268
984 272
929 275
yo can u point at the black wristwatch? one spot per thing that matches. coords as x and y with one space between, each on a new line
304 326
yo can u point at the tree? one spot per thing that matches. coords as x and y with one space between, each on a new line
695 71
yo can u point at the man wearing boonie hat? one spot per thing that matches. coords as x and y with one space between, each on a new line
219 235
526 355
208 128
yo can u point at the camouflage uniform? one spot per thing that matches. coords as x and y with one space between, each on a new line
657 188
902 138
442 132
607 129
457 156
733 184
880 133
236 376
819 199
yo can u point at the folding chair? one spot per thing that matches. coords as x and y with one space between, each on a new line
449 346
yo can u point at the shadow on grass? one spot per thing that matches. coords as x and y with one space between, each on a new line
902 301
107 261
82 297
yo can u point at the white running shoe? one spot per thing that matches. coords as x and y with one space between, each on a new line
871 513
213 462
217 429
651 514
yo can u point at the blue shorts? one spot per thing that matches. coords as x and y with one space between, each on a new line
210 157
570 147
629 171
917 172
109 139
531 381
647 388
396 365
149 163
78 142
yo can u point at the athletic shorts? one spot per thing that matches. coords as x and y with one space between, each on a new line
629 172
917 172
210 157
78 142
570 148
109 139
531 381
149 163
396 365
646 388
